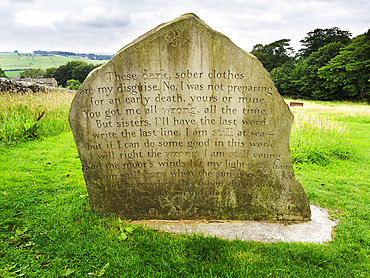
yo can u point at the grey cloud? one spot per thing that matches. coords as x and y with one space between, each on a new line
94 17
108 23
106 26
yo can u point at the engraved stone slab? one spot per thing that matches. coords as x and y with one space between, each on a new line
183 124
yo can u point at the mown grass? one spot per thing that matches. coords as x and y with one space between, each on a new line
47 228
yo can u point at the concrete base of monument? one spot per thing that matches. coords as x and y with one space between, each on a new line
318 230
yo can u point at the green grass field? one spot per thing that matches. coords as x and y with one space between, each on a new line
47 228
21 62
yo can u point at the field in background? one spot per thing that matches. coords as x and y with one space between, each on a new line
20 62
338 108
47 228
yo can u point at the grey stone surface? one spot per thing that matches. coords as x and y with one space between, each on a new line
318 230
183 124
24 86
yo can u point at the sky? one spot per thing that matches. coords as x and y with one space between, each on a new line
98 26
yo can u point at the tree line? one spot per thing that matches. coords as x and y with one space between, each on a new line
91 56
330 66
70 75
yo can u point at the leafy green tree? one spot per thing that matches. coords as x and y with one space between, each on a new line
62 75
273 55
73 84
80 70
347 75
32 73
285 78
321 37
77 70
309 81
2 73
49 72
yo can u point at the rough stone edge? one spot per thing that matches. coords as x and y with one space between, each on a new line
318 230
162 25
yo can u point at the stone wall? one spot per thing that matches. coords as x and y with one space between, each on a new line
20 87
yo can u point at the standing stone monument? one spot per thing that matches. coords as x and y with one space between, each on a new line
183 124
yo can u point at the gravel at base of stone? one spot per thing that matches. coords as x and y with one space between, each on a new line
318 230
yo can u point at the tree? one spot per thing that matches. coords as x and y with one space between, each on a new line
321 37
2 73
300 77
73 84
80 70
49 72
309 82
273 55
285 78
32 73
77 70
62 75
347 75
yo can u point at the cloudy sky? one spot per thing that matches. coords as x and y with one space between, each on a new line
98 26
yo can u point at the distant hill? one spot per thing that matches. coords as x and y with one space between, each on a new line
14 63
91 56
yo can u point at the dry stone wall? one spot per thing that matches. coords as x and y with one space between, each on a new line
24 87
183 124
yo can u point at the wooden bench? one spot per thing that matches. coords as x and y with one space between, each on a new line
295 103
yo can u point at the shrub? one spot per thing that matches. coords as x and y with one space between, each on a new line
73 84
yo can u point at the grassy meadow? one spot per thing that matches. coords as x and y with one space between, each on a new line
32 116
47 228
